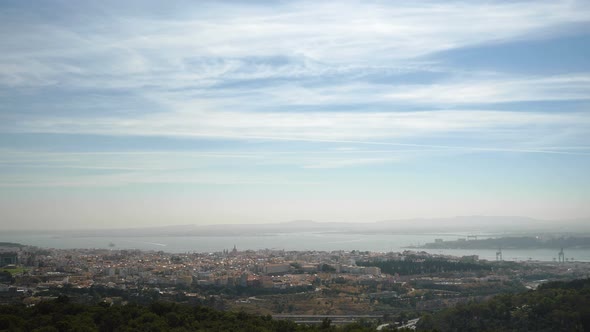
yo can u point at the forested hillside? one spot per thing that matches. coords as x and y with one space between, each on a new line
61 315
555 306
419 265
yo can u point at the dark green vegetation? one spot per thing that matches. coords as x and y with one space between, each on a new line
13 271
61 315
555 306
522 242
11 244
6 277
419 265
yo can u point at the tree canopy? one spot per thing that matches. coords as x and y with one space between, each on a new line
555 306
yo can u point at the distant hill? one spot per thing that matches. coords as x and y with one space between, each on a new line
555 306
492 224
11 244
471 224
514 242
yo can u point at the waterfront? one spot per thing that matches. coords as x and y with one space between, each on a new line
287 241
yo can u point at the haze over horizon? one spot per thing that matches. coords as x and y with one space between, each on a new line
506 225
220 112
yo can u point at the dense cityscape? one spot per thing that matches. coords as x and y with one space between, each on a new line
304 286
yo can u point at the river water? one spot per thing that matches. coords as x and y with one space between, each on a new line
286 241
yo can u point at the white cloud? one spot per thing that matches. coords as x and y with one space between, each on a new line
496 90
336 126
314 85
427 132
122 49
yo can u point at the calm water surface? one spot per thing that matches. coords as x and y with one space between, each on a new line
286 241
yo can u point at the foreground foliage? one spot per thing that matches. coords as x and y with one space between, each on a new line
555 306
420 265
61 315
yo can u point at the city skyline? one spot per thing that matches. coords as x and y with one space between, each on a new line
146 114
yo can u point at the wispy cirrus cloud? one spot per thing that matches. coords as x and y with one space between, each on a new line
212 41
299 101
496 90
312 126
211 73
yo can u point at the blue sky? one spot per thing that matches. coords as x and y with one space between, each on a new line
151 113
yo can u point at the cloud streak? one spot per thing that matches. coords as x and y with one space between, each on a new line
135 50
319 126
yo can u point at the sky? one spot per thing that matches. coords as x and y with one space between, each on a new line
141 113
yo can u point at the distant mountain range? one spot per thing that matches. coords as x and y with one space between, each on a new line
513 242
497 225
